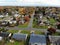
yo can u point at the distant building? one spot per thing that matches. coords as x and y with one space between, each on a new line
19 37
37 39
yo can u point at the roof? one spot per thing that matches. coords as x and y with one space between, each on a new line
19 36
54 39
58 41
37 38
4 34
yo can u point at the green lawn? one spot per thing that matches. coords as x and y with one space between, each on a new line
15 43
12 31
57 34
41 27
28 32
23 25
52 21
2 42
25 31
39 32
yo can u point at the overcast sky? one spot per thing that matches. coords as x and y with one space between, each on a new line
30 3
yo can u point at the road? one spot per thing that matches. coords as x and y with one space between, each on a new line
31 21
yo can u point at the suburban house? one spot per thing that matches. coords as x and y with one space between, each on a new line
37 39
19 37
5 34
54 40
12 23
1 16
4 23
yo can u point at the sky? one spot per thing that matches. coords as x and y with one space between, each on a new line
30 3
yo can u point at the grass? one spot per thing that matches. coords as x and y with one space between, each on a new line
25 31
52 21
15 43
28 32
2 42
57 34
41 27
12 31
23 25
39 32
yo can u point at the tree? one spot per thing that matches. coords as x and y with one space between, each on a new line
51 30
3 29
58 26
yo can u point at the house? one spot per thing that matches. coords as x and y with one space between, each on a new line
37 39
12 23
19 37
1 16
5 34
4 23
16 15
54 40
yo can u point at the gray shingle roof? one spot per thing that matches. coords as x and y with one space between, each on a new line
37 38
19 36
54 38
4 34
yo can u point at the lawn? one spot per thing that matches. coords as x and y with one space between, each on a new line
25 31
12 31
28 32
2 42
57 34
41 27
52 21
23 25
15 43
39 32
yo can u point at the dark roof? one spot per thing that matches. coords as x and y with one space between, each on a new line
54 39
4 34
37 38
58 41
18 36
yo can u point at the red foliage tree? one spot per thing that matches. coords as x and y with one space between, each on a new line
51 30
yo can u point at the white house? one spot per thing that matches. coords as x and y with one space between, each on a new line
1 16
